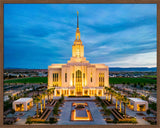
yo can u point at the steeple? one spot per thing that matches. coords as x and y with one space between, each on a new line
77 31
77 20
77 47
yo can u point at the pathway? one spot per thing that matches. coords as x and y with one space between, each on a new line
66 111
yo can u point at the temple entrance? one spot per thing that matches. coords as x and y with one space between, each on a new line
78 83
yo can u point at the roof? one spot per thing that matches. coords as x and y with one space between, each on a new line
137 100
23 100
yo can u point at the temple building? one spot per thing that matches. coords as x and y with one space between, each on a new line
78 77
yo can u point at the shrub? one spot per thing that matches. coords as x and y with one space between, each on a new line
52 120
107 112
12 111
29 120
148 111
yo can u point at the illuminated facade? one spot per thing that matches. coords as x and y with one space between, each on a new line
138 104
22 104
78 77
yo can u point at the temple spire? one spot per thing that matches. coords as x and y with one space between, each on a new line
77 20
77 31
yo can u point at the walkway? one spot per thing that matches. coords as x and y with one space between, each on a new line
22 119
66 113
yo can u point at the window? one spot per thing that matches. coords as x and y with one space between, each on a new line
84 79
78 81
55 79
72 79
53 76
65 77
91 77
101 79
78 52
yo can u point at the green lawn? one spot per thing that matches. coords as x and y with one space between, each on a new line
111 80
28 80
151 76
131 80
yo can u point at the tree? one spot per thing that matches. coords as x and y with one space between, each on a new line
52 120
135 85
146 88
107 112
134 94
52 91
120 100
116 95
148 111
10 97
110 96
107 93
36 100
48 94
12 111
141 85
112 93
125 102
40 98
44 100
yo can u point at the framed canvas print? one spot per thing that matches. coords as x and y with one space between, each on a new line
67 64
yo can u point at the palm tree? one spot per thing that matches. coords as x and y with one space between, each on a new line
125 102
40 97
106 96
48 94
119 97
112 94
52 91
44 101
36 100
107 91
116 96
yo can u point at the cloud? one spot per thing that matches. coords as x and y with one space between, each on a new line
37 35
124 25
137 60
38 31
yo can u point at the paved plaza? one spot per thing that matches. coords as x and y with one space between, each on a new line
66 114
23 118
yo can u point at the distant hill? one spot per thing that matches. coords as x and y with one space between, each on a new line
138 69
113 69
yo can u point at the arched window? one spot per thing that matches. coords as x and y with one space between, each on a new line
91 77
65 77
